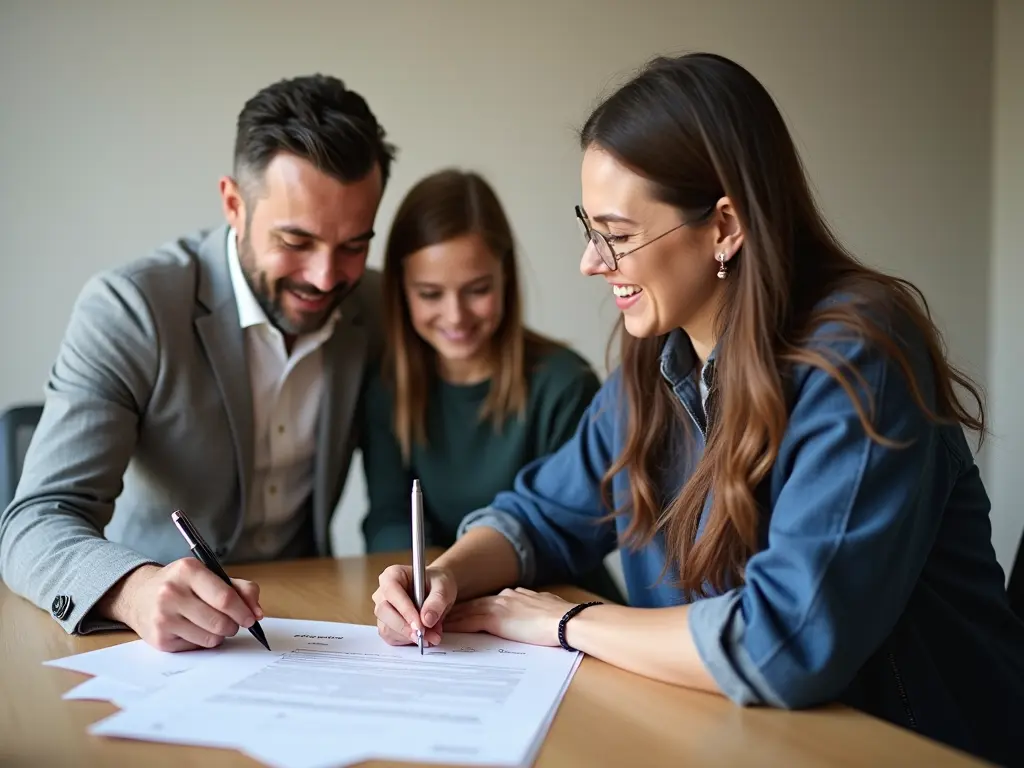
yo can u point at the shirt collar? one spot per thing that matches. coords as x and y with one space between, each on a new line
250 312
677 360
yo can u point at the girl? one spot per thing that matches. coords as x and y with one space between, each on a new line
467 395
782 450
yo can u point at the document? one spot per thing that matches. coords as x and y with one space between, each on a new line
135 663
327 751
334 693
108 689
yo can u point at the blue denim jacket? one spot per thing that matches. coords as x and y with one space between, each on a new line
876 585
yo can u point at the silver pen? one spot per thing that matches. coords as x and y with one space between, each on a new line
419 571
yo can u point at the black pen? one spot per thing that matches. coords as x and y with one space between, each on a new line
205 555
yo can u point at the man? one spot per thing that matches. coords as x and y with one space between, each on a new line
219 376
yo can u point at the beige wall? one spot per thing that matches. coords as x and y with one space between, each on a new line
116 125
1005 458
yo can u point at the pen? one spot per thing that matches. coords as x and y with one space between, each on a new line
419 574
205 555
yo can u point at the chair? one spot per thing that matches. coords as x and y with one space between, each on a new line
17 425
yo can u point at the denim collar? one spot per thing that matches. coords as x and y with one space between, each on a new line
677 361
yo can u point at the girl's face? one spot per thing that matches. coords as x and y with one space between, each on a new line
672 281
454 292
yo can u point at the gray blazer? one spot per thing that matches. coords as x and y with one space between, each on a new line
148 409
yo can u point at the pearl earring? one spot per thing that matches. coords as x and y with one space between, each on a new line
722 270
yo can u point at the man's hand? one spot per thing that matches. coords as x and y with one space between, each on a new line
182 606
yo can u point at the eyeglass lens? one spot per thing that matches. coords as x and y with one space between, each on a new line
604 250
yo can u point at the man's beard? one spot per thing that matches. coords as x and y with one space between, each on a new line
269 298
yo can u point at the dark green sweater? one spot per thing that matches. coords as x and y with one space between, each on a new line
465 462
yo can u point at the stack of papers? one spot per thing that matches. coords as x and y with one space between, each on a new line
332 694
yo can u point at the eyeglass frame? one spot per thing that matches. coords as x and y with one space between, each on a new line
617 257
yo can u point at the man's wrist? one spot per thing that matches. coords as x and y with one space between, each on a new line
117 603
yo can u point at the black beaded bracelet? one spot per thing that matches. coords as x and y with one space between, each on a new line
568 615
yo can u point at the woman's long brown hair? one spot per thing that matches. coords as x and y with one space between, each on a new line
700 127
440 207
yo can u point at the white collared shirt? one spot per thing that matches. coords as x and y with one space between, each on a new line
286 395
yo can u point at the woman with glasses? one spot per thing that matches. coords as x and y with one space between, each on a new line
781 452
466 395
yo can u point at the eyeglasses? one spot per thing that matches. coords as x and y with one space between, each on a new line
603 245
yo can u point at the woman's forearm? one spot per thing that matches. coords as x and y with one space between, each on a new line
653 642
482 562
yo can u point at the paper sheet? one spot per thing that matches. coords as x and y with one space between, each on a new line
135 663
333 693
108 689
325 751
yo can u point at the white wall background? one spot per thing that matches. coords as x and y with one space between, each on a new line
1006 316
117 119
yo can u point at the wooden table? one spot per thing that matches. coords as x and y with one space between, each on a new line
608 717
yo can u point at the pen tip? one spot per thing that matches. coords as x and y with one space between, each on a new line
416 485
257 631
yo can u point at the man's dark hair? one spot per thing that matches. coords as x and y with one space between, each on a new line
316 118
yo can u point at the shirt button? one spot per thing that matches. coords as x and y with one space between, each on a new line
280 429
272 489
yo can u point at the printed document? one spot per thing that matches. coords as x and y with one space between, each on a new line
333 693
326 751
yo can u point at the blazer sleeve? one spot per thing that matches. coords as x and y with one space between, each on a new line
52 547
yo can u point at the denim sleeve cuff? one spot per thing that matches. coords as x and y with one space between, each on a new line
717 627
509 527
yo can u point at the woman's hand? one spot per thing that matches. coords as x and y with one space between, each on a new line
397 617
514 614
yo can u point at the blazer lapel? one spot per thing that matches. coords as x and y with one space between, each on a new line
344 359
224 342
